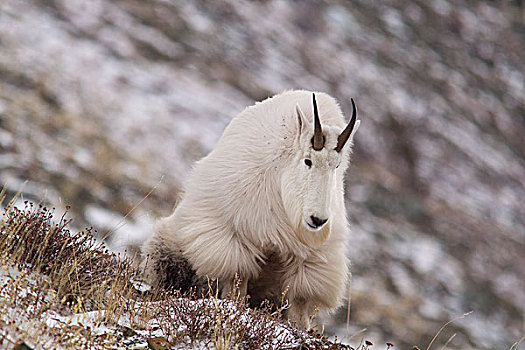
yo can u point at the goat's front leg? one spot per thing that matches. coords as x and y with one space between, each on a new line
300 311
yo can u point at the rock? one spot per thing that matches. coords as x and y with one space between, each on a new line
158 343
20 345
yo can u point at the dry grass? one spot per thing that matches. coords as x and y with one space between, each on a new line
60 289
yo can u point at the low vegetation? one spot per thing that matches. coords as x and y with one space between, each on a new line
60 289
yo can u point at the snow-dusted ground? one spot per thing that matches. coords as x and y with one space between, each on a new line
102 101
30 313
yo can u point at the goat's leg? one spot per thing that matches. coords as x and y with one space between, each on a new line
300 311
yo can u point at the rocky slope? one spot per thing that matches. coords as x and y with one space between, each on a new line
102 101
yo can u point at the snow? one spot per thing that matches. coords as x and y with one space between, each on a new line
132 233
43 324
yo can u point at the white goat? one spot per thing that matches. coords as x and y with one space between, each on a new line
267 204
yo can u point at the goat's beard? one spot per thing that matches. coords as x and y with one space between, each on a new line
312 238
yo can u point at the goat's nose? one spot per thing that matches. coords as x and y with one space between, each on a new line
318 222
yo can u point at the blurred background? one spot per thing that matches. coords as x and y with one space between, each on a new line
102 101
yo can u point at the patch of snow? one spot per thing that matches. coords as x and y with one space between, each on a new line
132 233
394 22
101 217
441 6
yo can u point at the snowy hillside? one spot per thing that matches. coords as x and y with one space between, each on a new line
102 101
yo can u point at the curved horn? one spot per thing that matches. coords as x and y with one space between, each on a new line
318 139
341 139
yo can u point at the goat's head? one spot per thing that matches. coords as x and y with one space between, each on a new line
309 182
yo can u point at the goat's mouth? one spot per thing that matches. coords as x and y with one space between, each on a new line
314 223
314 228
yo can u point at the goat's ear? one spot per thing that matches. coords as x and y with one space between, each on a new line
301 121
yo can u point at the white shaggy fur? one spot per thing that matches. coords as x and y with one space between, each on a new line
247 206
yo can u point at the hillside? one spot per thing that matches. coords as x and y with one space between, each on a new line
63 290
103 101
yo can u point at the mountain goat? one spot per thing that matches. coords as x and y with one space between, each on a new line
267 205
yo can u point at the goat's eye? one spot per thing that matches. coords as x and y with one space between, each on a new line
308 162
337 166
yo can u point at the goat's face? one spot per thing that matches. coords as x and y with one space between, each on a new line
309 182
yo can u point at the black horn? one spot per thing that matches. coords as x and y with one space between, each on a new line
341 139
318 139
